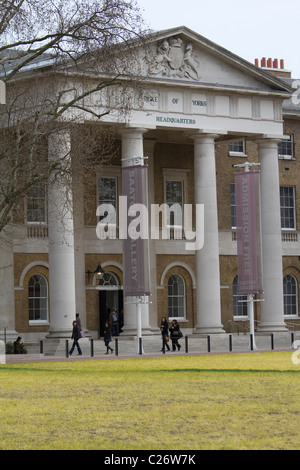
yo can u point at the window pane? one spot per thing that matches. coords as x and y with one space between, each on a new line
176 296
174 197
287 203
108 191
174 192
286 147
108 279
239 301
238 147
38 298
290 295
36 204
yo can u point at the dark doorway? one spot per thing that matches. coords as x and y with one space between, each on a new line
108 299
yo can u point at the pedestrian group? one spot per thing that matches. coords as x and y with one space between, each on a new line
173 332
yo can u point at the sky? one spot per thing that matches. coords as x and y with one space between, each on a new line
249 28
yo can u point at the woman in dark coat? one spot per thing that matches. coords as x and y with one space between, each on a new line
174 331
107 338
75 337
164 327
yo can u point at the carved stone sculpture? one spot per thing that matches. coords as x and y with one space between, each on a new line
175 59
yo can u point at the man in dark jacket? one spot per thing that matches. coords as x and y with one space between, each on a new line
75 338
164 327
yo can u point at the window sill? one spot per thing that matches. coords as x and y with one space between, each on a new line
39 323
286 157
238 154
179 319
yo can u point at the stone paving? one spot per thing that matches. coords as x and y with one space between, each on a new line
126 347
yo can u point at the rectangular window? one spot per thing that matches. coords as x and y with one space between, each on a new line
237 149
174 195
287 207
239 301
36 204
107 199
108 191
286 148
38 299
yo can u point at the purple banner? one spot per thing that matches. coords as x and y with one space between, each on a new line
136 240
247 194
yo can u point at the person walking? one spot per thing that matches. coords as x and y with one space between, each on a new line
81 332
175 335
107 338
75 337
115 322
164 327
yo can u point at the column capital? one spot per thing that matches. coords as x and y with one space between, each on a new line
132 143
132 131
205 134
270 140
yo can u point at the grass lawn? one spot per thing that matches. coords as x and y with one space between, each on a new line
237 401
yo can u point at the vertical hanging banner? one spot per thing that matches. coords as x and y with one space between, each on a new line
136 230
247 193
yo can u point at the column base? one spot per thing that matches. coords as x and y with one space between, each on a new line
65 334
57 334
132 331
209 330
272 327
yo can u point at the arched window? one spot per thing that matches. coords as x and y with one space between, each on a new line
109 279
38 298
239 301
176 296
290 295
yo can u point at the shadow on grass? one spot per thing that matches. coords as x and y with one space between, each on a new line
6 368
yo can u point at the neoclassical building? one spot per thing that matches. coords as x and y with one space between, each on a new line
201 110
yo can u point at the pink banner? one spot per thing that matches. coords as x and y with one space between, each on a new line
247 194
136 241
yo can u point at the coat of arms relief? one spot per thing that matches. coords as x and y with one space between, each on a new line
174 58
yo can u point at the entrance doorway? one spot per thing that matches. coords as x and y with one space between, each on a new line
110 296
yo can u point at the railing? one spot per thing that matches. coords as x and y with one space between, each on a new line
131 347
111 232
289 237
37 231
286 236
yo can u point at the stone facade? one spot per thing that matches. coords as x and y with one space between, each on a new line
185 124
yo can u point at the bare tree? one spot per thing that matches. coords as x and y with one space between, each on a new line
62 61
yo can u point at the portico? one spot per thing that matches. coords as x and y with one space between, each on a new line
195 98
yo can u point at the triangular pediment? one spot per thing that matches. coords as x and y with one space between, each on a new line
181 55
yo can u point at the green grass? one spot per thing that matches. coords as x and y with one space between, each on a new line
237 401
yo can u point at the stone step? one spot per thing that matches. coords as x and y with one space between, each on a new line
195 343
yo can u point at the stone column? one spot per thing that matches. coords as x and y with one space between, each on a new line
207 259
132 146
272 317
61 241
